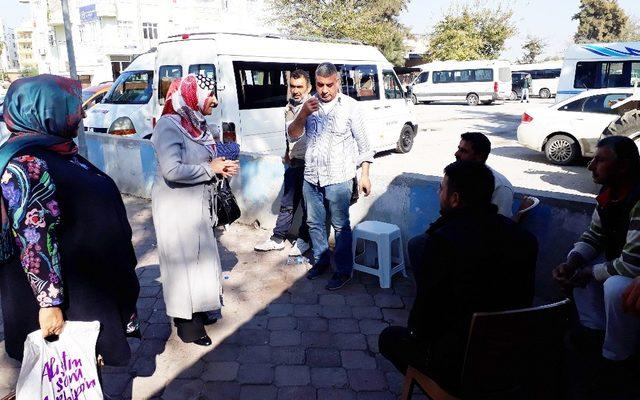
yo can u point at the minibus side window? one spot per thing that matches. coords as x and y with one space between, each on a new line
392 88
208 70
261 85
602 74
166 75
635 73
360 82
486 74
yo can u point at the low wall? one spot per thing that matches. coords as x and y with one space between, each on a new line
407 200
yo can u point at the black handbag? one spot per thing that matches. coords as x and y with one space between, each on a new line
225 204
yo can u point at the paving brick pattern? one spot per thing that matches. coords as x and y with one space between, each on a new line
281 336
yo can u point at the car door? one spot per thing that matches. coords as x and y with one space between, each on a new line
395 109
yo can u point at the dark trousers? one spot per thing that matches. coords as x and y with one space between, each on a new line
402 349
190 330
415 248
291 198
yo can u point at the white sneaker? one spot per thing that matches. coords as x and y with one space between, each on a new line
299 248
269 245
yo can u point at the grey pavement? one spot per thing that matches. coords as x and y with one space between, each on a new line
281 336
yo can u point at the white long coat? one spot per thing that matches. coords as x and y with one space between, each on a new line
190 266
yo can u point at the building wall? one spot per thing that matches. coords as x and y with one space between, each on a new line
108 34
9 57
25 47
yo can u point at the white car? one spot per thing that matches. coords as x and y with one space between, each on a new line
571 128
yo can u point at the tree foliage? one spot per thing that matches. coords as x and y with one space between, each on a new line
373 22
600 21
533 48
471 32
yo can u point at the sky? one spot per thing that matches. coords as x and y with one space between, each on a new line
549 19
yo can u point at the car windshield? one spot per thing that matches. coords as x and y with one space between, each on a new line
132 87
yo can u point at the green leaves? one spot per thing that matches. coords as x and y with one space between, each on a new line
601 21
533 48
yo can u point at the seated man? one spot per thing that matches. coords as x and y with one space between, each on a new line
604 293
473 260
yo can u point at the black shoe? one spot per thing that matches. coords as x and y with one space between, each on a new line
337 281
203 341
316 271
584 340
614 377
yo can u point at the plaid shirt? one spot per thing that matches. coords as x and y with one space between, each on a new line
337 142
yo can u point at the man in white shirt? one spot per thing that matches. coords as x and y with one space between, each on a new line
475 146
299 88
337 144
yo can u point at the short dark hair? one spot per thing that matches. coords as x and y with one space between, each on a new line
326 69
625 149
473 181
300 73
479 143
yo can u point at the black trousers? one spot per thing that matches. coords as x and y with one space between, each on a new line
397 346
190 330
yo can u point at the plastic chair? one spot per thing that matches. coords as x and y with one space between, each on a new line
527 204
387 237
510 355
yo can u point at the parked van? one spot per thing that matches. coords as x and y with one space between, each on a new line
544 77
127 108
475 82
599 66
251 74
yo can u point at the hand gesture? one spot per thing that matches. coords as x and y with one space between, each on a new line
226 168
310 106
51 321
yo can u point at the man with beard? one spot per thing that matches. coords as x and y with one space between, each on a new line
604 292
299 88
473 260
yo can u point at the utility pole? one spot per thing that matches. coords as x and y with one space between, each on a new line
82 142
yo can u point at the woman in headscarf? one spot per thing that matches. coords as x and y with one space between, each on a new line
66 225
183 215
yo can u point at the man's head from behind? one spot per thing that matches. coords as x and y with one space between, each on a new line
465 184
327 82
474 146
616 161
299 85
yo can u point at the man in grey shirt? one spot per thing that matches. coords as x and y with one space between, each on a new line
337 144
299 88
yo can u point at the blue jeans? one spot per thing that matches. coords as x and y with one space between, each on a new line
335 199
291 197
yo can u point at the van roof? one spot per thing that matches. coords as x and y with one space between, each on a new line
541 65
277 46
462 64
599 51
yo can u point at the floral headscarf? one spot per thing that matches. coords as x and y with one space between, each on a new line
45 105
186 97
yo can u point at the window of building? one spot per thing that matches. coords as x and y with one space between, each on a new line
150 30
166 75
360 81
125 30
392 88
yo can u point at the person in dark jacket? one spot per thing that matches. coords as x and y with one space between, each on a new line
473 260
66 225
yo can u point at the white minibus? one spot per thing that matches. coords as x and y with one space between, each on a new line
598 66
544 77
251 74
483 81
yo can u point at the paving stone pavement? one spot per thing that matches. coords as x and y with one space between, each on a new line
281 336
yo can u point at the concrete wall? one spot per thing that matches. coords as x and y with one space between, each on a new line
408 200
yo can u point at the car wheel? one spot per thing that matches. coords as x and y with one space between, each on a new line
545 93
562 150
627 125
513 95
405 142
487 102
473 99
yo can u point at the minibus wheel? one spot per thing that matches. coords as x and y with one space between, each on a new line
473 99
545 93
405 142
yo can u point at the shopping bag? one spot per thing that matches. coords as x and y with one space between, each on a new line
64 369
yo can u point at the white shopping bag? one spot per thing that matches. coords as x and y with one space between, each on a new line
61 370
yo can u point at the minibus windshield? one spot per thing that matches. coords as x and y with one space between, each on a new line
132 87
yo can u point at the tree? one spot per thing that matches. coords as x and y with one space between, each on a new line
471 32
373 22
600 21
533 48
631 33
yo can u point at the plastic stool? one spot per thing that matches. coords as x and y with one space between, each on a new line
385 236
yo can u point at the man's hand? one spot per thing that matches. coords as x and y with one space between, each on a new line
582 277
563 273
631 297
309 107
51 321
364 186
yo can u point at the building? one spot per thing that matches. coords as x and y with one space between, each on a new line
25 46
108 34
9 56
416 47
